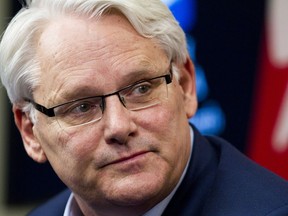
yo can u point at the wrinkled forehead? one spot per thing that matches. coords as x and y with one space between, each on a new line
66 31
78 51
79 34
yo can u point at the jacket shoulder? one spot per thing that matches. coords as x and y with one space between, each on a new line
53 207
242 185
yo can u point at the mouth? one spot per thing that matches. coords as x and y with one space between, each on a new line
130 159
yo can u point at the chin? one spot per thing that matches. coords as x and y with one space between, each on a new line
137 190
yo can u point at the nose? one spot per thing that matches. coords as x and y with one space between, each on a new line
118 122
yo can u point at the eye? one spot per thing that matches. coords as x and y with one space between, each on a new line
82 108
142 88
80 111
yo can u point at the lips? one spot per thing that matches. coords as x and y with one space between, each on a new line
129 158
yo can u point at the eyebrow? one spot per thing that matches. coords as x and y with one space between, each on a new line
137 76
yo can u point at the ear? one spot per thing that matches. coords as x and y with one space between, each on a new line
31 144
188 83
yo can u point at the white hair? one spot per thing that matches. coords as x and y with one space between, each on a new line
20 66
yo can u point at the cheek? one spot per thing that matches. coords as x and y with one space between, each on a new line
78 145
168 124
167 117
162 125
71 154
71 148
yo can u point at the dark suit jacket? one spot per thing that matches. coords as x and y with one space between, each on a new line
220 181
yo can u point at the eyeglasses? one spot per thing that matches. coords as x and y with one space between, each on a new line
137 96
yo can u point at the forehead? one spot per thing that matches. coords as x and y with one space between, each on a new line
69 31
70 35
83 52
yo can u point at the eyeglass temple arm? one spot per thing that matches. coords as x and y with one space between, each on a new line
48 112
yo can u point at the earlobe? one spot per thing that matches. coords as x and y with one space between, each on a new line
188 83
31 144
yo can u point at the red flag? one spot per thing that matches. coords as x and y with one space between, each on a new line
269 133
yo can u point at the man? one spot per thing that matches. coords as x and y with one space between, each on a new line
103 90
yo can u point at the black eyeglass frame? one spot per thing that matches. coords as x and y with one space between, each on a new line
50 111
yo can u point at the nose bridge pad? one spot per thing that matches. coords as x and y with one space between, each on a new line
103 104
122 100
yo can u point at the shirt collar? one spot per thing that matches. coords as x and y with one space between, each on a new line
72 208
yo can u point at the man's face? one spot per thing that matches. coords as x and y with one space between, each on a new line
128 158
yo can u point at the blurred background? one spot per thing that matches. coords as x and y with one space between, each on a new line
240 52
